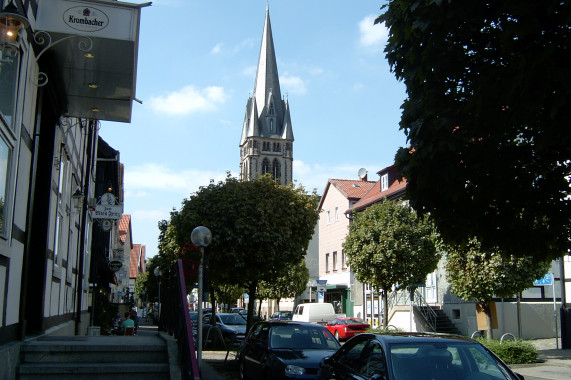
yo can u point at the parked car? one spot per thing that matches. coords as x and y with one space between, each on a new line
232 326
347 327
282 315
414 356
285 350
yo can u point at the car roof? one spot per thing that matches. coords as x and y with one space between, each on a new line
407 337
289 323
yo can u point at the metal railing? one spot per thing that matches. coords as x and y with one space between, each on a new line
402 298
175 319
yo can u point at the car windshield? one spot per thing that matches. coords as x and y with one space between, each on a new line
284 314
445 360
302 337
232 319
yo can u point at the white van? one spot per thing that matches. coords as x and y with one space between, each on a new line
314 312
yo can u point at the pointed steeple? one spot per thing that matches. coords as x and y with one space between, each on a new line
267 85
266 144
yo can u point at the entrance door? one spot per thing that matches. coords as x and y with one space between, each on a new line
431 289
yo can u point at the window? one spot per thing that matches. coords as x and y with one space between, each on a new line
276 172
265 166
327 262
5 154
63 195
343 260
9 65
328 215
334 261
336 214
384 182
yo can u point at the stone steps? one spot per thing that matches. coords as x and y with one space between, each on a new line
113 357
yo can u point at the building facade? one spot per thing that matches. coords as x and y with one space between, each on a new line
266 145
57 80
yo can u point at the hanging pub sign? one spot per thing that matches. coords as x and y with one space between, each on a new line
115 265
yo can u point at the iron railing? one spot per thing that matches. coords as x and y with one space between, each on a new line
402 298
175 318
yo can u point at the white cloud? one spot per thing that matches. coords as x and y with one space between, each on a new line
189 100
216 49
152 177
292 84
372 35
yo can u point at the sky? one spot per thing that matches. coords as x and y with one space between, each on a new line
196 70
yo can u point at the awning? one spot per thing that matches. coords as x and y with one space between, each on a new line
92 48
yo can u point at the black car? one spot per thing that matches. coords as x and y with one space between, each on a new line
414 356
232 327
285 350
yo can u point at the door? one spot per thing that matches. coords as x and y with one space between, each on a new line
431 289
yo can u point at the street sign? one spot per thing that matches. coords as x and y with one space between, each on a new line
546 280
321 282
107 211
115 265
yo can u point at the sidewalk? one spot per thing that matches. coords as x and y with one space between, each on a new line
554 364
147 328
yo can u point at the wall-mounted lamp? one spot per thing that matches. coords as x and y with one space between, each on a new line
77 199
11 23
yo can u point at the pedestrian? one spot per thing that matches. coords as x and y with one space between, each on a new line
127 322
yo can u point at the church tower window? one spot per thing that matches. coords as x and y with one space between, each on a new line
266 166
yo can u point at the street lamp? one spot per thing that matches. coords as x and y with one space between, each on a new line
201 237
157 274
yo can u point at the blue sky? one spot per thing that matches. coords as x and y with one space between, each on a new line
196 68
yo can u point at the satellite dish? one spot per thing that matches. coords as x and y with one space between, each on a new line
362 173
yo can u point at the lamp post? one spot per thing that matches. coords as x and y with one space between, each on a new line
201 237
158 273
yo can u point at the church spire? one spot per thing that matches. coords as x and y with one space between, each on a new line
267 79
266 145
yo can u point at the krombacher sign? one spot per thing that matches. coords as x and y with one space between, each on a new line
86 19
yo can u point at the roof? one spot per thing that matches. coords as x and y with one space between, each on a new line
351 189
395 191
125 228
137 260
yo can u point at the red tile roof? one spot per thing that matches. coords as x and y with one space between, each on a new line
125 228
375 195
137 259
351 189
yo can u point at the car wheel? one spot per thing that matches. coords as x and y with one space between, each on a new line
337 335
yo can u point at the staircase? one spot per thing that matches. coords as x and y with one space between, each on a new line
97 357
442 323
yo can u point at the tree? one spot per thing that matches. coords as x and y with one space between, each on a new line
228 294
486 118
483 275
289 285
389 245
259 229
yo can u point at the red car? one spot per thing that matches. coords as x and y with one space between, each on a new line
345 328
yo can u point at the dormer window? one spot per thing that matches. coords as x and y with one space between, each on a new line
384 182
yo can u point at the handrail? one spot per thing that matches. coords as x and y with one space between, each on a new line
176 320
425 310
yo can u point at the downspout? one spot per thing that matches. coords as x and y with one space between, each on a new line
85 188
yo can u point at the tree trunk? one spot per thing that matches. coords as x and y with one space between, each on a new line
277 304
252 296
488 312
385 308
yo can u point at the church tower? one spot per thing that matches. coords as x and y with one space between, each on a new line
266 145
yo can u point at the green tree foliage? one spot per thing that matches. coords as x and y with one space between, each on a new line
486 118
289 285
480 275
259 229
389 245
228 294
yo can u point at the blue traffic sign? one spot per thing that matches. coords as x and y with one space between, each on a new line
546 280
